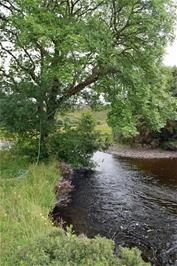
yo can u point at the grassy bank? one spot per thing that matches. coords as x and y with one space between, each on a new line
28 238
25 203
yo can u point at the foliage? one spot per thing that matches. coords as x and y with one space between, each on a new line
59 248
170 145
172 83
12 164
58 49
165 138
167 132
27 147
73 136
153 107
99 116
77 145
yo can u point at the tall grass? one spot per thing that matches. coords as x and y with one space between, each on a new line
25 202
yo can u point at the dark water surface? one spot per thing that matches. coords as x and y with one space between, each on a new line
133 201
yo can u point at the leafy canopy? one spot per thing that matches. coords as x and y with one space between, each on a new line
166 136
55 52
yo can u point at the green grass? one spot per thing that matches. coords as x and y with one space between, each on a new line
12 165
25 203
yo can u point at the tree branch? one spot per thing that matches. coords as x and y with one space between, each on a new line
96 74
7 7
29 71
15 34
14 7
4 18
79 87
74 90
87 10
9 76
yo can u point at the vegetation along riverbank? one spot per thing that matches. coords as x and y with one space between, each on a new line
29 238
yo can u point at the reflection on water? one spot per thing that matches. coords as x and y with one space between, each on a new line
133 202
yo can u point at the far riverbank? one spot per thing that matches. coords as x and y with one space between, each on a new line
143 153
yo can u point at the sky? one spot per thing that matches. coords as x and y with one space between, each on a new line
170 57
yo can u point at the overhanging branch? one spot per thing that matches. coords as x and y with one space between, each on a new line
96 75
74 90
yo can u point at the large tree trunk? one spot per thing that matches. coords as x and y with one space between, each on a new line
52 103
47 122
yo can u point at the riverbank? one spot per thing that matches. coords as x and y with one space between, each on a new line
127 152
28 236
25 203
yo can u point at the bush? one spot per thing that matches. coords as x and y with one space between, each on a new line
76 145
165 138
169 145
60 248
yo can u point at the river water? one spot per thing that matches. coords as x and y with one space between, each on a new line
132 201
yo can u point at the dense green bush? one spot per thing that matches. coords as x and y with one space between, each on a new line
166 138
73 142
76 145
62 249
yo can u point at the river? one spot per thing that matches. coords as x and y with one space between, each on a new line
132 201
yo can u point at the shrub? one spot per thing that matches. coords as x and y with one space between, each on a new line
169 145
60 248
165 138
76 145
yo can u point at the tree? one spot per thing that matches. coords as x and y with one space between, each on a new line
166 135
53 52
144 104
173 80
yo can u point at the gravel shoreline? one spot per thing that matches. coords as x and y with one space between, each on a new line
141 153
